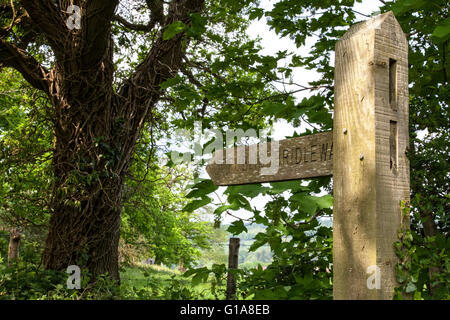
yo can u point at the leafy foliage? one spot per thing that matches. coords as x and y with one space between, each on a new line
226 82
309 243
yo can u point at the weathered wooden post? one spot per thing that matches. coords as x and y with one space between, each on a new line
233 260
14 243
371 171
365 153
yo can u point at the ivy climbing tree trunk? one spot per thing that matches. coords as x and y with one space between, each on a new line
96 126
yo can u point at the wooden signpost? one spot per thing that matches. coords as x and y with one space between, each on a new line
298 158
365 153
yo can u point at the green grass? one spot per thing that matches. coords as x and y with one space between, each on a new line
160 283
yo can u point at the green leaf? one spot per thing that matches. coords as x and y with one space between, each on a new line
256 13
189 273
221 209
249 190
411 287
237 227
198 25
218 269
235 205
418 295
403 6
294 186
190 207
202 188
200 275
440 241
442 31
171 82
174 29
272 108
306 203
324 202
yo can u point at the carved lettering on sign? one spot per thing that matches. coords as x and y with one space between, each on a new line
299 157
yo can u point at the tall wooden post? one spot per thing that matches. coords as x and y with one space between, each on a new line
371 175
233 260
14 243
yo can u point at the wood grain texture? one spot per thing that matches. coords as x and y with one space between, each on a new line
14 243
298 158
368 190
233 260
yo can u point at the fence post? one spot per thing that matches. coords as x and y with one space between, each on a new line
14 243
233 260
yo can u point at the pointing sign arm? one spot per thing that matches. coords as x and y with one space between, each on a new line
298 158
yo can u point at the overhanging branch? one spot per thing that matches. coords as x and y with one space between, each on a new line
156 8
96 26
142 90
49 21
135 26
164 58
15 57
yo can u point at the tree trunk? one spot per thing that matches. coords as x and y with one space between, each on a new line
95 126
92 155
88 167
86 236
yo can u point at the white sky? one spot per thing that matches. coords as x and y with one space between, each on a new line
271 44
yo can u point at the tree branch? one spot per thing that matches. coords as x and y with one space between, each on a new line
362 14
156 8
96 30
135 26
200 66
15 57
142 90
299 224
156 11
188 73
444 62
164 58
49 21
29 31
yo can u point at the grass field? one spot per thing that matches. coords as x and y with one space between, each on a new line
160 283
